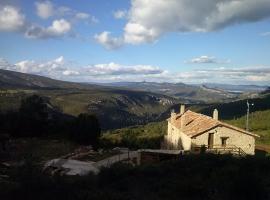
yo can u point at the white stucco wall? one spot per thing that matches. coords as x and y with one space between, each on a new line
244 141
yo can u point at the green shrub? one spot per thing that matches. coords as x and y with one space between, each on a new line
86 130
146 136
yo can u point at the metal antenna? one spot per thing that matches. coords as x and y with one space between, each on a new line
247 120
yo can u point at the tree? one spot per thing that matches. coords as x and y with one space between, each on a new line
86 130
33 117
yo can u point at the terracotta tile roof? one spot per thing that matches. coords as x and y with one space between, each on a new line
195 124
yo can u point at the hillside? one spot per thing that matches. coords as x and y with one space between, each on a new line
238 108
114 107
17 80
189 177
191 93
144 136
236 88
119 105
150 135
258 123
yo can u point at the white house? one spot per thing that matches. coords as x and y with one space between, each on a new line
188 130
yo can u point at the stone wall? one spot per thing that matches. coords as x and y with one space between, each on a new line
175 139
244 141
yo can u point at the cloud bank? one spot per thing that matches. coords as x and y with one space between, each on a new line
153 18
149 20
59 68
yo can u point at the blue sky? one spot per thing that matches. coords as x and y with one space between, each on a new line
224 41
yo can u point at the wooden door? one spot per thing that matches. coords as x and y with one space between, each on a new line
210 140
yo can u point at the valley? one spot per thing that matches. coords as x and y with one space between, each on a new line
115 104
129 119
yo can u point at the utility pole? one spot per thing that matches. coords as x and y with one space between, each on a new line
247 120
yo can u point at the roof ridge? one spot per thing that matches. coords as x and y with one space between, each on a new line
199 123
203 115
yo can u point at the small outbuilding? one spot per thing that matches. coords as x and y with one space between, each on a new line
189 131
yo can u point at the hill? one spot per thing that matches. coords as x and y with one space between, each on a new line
238 108
258 123
236 88
137 137
114 107
151 135
192 93
120 104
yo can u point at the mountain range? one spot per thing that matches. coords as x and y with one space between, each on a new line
115 104
194 93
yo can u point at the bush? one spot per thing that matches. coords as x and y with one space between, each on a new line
190 177
33 117
86 130
144 137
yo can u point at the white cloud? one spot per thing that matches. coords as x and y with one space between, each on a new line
136 33
58 28
120 14
117 69
71 73
265 34
11 19
206 60
82 15
247 75
151 19
44 9
4 64
59 68
47 68
63 11
107 41
85 16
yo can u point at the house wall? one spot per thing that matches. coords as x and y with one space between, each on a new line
244 141
175 139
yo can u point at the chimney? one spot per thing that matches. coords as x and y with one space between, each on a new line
173 115
182 109
182 122
215 114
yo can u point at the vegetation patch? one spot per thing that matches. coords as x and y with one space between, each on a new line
189 177
147 136
259 123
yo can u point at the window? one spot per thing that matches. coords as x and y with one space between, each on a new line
224 141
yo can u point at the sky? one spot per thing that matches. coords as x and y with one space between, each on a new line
190 41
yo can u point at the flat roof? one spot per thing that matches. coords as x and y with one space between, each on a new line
161 151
